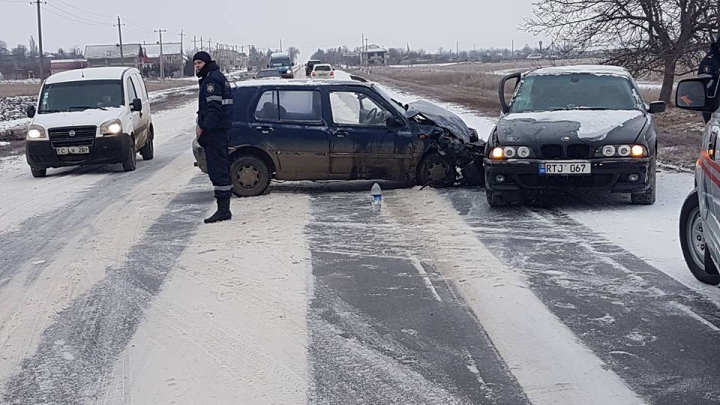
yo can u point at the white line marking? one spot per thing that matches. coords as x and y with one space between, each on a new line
695 316
426 278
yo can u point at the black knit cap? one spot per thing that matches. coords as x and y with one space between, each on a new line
203 56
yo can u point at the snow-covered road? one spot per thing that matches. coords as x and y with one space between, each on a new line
113 291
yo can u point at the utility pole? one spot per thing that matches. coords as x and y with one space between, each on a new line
119 27
362 50
209 45
195 44
162 58
40 41
182 37
201 44
281 45
457 49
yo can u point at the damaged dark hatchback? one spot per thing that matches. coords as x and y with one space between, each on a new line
572 128
349 130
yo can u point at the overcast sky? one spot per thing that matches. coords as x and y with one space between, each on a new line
305 24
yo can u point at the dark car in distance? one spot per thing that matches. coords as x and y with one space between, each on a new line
267 74
576 127
345 130
310 65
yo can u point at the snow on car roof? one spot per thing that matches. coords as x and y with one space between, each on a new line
299 83
101 73
589 69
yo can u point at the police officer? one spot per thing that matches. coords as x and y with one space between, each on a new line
710 66
214 120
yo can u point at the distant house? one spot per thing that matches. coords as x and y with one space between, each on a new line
172 55
109 55
374 55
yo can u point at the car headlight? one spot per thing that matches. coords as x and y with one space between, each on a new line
523 152
638 151
112 127
624 150
36 132
608 151
509 152
497 153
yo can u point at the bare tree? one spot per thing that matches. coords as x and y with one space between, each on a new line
293 52
666 37
3 48
20 53
32 48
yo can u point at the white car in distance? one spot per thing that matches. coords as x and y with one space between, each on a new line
323 71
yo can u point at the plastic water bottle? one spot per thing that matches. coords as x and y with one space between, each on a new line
376 193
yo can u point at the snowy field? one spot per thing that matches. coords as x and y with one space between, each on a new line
116 293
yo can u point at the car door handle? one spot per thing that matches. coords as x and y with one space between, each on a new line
265 129
339 134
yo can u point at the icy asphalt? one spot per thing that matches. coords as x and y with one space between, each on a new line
113 292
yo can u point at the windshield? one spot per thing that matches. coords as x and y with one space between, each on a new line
574 92
78 96
396 104
280 62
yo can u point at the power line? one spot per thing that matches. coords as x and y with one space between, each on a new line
85 11
12 1
73 17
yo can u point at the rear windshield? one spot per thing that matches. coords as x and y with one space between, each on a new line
79 96
268 73
574 92
322 68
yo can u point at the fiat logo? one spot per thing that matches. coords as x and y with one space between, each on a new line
565 138
71 133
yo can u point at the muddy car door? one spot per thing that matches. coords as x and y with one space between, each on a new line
290 122
365 137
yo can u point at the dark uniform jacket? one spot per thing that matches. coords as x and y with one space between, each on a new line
215 112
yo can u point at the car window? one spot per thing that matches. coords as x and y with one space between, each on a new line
140 87
322 68
574 91
289 105
132 94
353 108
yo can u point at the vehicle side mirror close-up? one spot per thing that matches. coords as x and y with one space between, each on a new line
30 111
136 105
657 107
692 95
504 101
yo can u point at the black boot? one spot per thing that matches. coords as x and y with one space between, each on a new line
223 212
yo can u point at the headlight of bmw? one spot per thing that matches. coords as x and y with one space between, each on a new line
636 151
112 127
510 152
36 132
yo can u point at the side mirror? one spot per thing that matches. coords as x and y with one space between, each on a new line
136 105
31 111
394 122
657 107
692 95
501 91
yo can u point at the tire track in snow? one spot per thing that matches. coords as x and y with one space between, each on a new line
378 332
76 354
628 312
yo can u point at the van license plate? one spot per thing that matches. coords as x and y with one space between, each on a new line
73 150
565 168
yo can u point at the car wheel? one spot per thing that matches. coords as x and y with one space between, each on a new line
38 172
692 242
437 171
148 150
130 162
648 196
496 198
250 176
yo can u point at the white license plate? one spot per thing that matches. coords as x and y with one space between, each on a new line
565 168
73 150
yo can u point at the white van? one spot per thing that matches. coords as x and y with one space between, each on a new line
90 116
